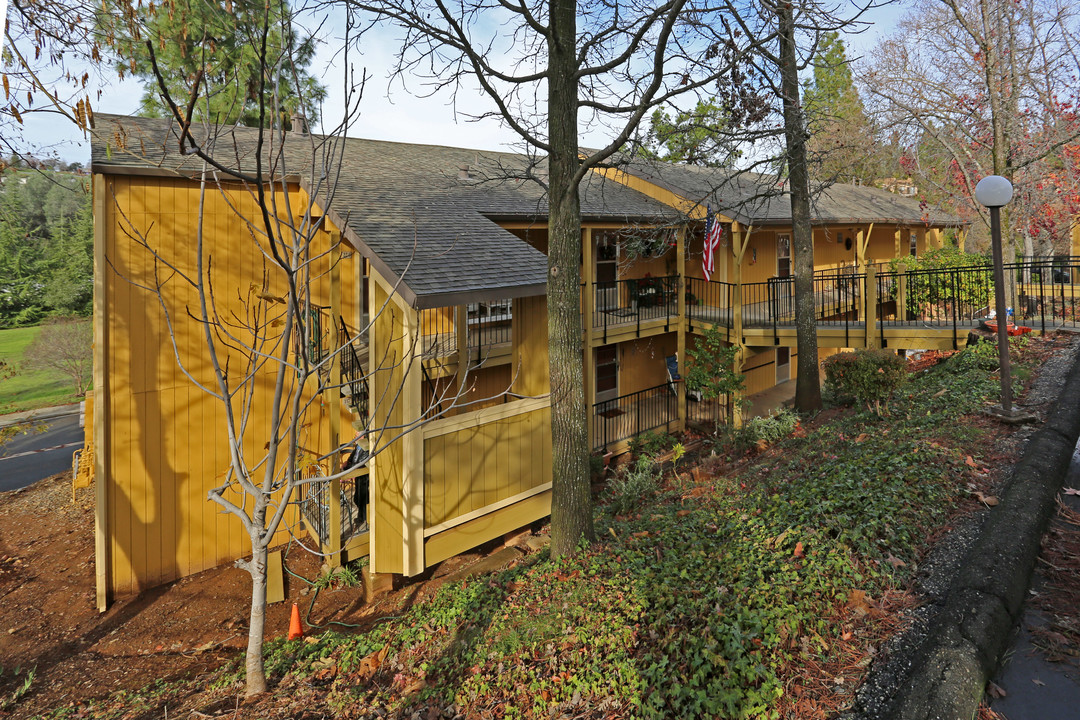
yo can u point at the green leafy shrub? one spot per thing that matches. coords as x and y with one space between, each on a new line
768 429
634 485
651 443
984 355
710 368
930 289
865 376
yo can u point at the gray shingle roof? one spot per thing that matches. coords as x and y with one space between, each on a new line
405 205
756 199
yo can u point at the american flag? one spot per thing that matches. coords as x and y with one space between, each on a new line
713 232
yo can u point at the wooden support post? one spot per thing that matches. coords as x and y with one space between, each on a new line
897 235
872 338
332 400
102 414
588 304
901 291
862 244
680 342
736 401
412 446
739 243
461 332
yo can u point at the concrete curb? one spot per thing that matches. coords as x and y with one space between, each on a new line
49 413
985 600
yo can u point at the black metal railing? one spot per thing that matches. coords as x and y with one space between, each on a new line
490 324
710 302
1046 292
438 336
770 303
626 416
838 298
935 298
619 303
314 504
353 378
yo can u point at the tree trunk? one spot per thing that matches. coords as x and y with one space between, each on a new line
807 387
571 505
256 673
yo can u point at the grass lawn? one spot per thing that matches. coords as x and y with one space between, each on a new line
28 390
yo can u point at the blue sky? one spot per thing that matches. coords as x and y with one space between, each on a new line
386 112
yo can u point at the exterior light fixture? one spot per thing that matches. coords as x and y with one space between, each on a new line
993 191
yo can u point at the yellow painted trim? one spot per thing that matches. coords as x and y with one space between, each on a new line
480 512
468 535
102 561
412 447
690 208
332 397
484 416
680 329
357 547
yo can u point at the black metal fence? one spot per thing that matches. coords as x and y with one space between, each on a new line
353 378
627 416
626 302
630 415
710 301
935 298
314 504
1046 292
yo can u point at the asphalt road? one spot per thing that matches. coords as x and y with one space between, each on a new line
38 455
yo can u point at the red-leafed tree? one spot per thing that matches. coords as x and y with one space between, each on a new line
978 87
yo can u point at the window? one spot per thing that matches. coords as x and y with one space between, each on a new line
913 246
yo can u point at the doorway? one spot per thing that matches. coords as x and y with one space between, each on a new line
783 364
607 373
607 272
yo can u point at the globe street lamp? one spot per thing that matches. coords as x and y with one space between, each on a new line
993 191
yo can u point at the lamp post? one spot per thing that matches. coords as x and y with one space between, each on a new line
993 191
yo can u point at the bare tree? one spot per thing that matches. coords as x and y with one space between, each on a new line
63 345
979 87
552 70
265 346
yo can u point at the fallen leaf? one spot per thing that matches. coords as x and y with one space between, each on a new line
995 691
969 462
1072 491
642 534
798 550
895 561
988 500
862 436
857 602
1038 682
683 513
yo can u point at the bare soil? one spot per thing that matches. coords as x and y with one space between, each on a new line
192 627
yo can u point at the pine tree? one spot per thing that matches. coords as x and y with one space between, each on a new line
842 145
217 45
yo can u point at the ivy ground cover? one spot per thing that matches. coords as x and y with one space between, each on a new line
759 592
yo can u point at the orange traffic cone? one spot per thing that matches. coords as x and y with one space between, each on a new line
295 631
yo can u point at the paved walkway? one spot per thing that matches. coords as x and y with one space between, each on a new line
49 413
1036 689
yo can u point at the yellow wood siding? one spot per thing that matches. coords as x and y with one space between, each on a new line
642 362
387 470
531 346
164 443
474 467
